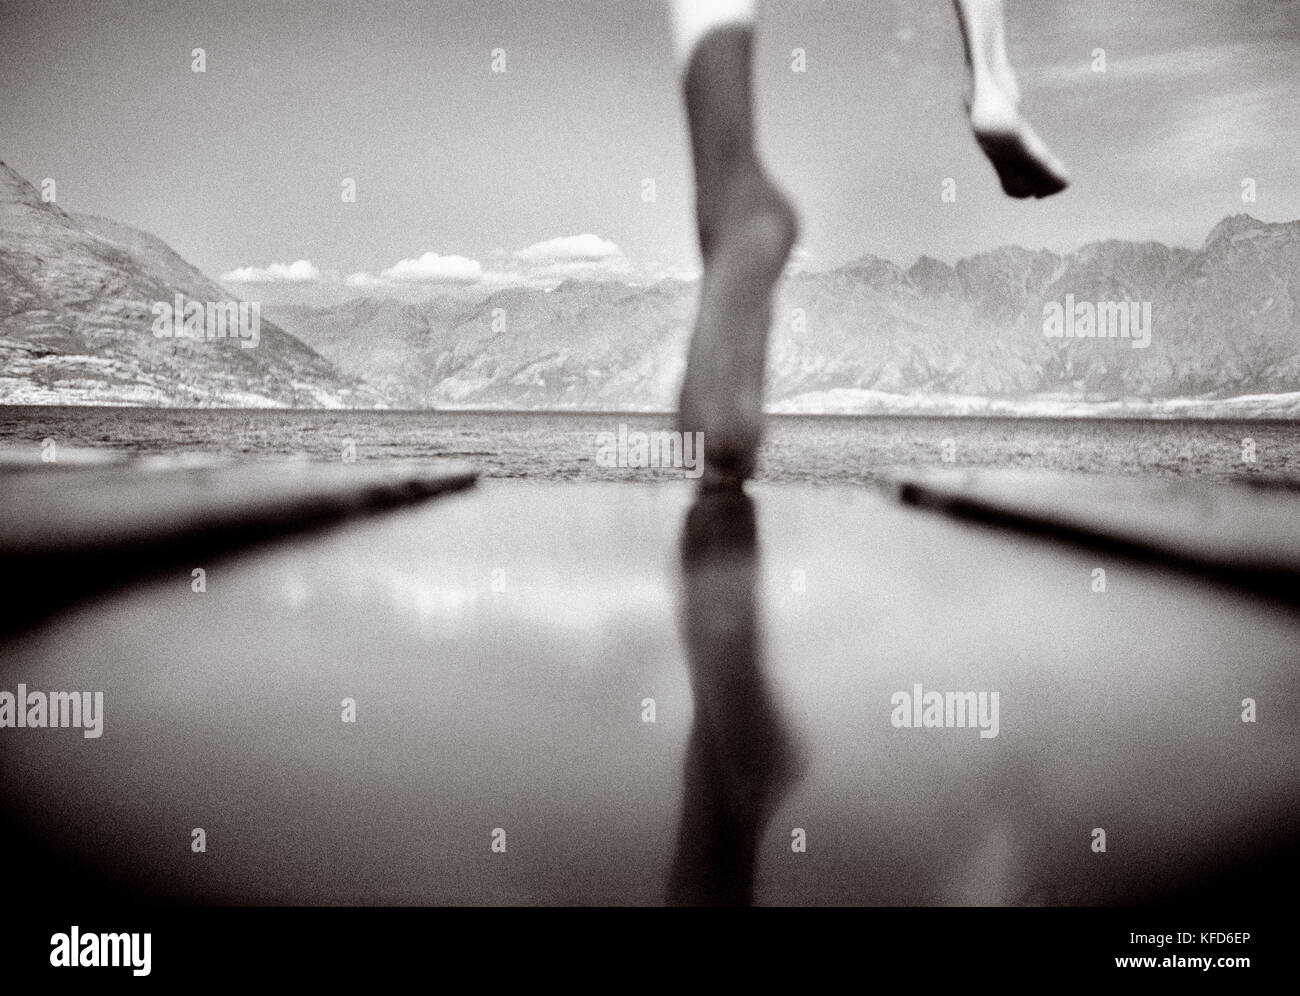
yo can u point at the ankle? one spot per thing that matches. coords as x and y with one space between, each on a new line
992 111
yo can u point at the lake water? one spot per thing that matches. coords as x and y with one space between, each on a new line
564 446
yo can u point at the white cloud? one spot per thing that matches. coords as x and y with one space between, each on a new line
682 276
801 261
586 248
542 264
1178 64
432 268
363 280
300 272
567 257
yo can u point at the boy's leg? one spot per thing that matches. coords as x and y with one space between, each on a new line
1025 166
746 230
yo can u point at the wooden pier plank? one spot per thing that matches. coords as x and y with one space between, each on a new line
1214 527
82 526
500 647
122 504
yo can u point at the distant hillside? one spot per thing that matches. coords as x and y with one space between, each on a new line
870 336
76 325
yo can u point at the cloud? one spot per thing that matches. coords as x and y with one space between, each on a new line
1233 130
363 280
585 248
300 272
566 257
800 261
682 276
542 264
1160 67
432 268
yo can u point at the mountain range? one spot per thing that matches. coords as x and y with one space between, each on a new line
76 322
76 292
871 336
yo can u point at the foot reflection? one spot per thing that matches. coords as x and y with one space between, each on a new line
739 760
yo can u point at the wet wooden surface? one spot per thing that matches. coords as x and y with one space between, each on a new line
85 500
91 521
501 644
1214 525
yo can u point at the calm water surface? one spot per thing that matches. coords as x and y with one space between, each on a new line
563 446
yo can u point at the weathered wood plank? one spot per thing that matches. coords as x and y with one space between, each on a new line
1245 534
74 527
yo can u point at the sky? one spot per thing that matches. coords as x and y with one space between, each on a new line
470 178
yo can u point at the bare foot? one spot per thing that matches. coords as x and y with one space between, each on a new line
1025 165
745 241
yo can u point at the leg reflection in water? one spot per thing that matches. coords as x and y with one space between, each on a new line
740 760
